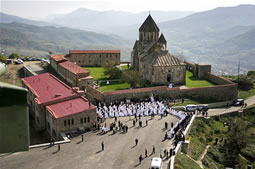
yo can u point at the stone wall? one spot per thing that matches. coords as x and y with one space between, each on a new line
216 79
215 93
93 94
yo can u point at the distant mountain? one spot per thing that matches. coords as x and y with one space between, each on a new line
111 21
211 37
18 36
5 18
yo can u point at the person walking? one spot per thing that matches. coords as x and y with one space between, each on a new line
102 144
153 149
136 142
82 139
146 152
140 159
58 147
146 122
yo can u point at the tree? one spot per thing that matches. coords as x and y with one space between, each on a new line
244 83
239 138
3 58
132 77
111 70
14 56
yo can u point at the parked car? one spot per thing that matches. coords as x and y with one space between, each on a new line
18 61
190 108
238 102
202 108
156 163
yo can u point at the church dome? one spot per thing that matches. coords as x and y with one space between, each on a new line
149 25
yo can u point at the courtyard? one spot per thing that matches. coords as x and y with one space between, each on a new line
119 152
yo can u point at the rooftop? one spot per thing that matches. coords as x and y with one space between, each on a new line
58 58
73 67
93 51
149 25
69 107
162 58
47 88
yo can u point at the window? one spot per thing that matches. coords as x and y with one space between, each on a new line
85 120
64 122
69 122
88 119
72 122
81 120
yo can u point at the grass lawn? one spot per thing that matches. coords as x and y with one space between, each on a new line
113 86
97 73
183 162
194 82
245 94
124 67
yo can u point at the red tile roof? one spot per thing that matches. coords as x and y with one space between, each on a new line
69 107
73 68
47 88
93 51
58 58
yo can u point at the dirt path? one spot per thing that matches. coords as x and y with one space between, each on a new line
12 74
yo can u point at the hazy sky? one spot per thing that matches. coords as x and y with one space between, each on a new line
38 9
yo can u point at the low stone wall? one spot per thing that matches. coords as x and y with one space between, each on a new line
216 79
134 93
216 93
249 109
93 94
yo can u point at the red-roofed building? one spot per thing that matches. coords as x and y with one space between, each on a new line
94 57
74 75
70 115
45 89
56 59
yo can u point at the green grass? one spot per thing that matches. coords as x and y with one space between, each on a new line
97 73
113 86
245 94
124 67
195 82
183 162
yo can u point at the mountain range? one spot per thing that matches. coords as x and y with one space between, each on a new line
220 36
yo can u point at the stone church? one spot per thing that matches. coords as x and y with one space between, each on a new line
151 58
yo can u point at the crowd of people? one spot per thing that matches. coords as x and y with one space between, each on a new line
144 108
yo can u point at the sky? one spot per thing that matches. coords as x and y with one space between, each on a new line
38 9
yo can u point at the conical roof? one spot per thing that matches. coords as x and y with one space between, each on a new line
149 25
162 39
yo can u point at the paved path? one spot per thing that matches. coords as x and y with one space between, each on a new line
120 150
224 110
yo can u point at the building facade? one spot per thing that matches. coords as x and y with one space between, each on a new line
94 57
151 58
74 75
44 90
70 115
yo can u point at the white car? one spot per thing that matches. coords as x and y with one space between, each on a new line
156 163
190 108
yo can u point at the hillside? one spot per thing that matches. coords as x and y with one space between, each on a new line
56 39
5 18
211 37
116 22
